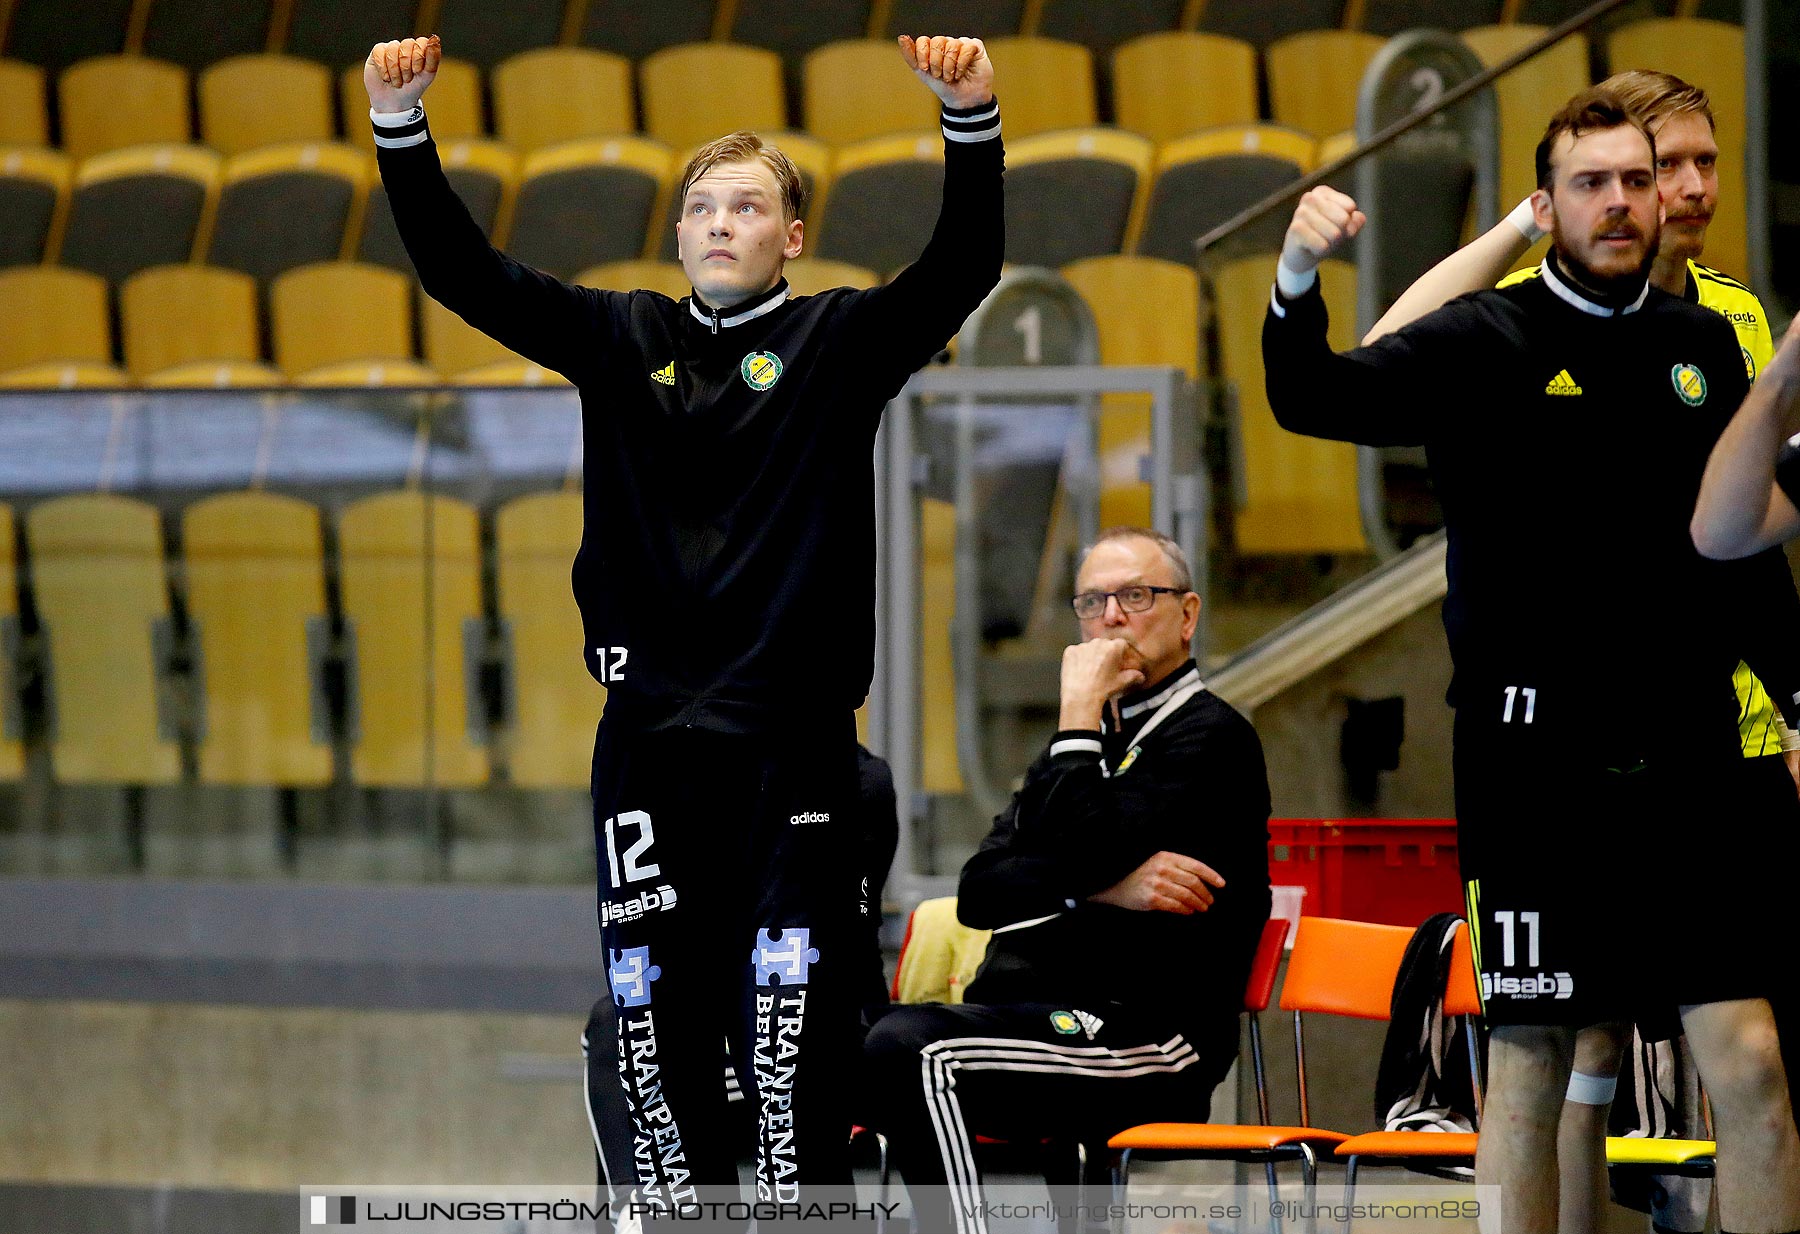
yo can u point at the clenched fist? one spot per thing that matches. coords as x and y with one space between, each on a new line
1324 219
957 70
397 72
1092 673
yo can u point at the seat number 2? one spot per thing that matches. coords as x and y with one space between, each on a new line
1513 696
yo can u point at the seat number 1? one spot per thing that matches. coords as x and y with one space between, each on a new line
1513 694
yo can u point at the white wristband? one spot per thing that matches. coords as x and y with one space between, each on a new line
1523 218
1294 283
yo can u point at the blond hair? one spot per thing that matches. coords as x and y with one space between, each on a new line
1656 96
741 147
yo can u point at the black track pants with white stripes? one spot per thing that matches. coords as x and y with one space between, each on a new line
938 1076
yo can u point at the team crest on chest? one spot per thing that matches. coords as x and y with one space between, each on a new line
1689 383
1749 363
761 369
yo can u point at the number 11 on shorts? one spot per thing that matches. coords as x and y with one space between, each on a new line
1513 694
1508 949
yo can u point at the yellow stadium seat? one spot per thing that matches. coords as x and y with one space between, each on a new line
34 203
59 375
1521 95
940 767
139 207
510 373
884 201
404 373
1300 492
263 100
557 704
808 276
1050 84
97 575
110 102
12 745
24 115
410 582
1178 82
176 315
214 375
1313 78
288 205
52 314
665 276
939 956
699 91
1709 54
557 94
1148 312
256 593
860 89
452 346
455 104
336 311
1106 170
585 202
1204 179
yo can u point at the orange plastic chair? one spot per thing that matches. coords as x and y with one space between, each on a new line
1321 971
1427 1151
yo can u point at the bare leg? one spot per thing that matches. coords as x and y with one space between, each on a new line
1581 1135
1528 1072
1739 1057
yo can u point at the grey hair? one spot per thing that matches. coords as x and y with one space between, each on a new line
1171 551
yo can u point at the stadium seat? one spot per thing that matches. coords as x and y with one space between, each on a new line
1557 73
883 202
336 311
211 375
862 89
585 202
369 373
1106 170
341 32
488 33
1263 24
455 104
484 174
196 33
1203 180
410 586
252 101
1390 17
52 314
1710 54
136 208
256 594
111 102
810 156
940 765
510 373
555 704
451 345
993 18
557 94
40 32
939 955
697 91
1170 85
1049 85
1299 493
634 30
1102 28
794 29
808 276
286 206
1148 312
12 743
24 113
98 580
64 375
1314 76
34 195
665 276
187 314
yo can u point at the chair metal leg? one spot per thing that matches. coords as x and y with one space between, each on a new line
1309 1193
1121 1178
1349 1188
885 1175
1274 1195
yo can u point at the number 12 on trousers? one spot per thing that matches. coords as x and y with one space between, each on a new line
612 663
627 869
1513 694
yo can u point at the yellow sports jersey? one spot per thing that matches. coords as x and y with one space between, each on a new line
1736 303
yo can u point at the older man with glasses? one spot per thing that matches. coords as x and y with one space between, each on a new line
1126 885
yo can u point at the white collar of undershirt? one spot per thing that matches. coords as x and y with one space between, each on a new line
1155 701
776 298
1563 291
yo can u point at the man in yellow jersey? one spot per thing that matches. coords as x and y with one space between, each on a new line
1679 116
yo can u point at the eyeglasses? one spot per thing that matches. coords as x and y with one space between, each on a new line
1134 599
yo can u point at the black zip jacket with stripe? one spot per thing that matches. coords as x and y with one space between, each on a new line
1566 440
1196 785
726 576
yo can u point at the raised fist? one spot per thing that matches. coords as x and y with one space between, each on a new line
1324 219
957 70
397 72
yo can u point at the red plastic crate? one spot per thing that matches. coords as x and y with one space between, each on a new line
1397 871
